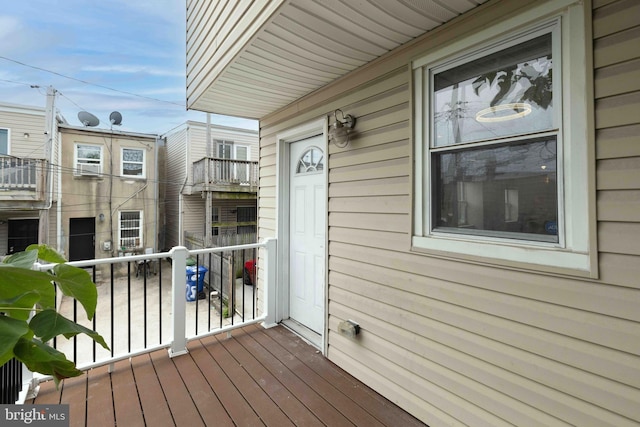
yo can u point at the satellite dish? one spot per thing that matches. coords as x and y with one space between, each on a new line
88 119
115 118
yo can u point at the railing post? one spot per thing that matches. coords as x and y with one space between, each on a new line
271 263
179 302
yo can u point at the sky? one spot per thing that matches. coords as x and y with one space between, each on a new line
118 55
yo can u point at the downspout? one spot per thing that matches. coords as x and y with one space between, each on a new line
59 198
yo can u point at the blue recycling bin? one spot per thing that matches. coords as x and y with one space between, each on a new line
195 281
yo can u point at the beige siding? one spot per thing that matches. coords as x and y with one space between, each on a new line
176 169
463 343
20 121
185 146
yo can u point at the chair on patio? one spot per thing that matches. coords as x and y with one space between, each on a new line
144 264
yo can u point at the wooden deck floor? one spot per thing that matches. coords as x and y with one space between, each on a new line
257 377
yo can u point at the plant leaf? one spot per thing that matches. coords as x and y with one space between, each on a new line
10 332
21 306
48 254
76 282
39 357
15 281
21 259
49 323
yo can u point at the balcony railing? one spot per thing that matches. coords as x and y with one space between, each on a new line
214 173
22 180
146 302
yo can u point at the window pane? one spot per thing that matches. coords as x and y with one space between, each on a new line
4 141
88 152
129 155
311 160
505 191
506 93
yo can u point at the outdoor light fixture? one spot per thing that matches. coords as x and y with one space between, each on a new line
339 131
26 135
101 217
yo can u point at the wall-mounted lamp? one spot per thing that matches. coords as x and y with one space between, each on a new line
101 217
26 135
340 129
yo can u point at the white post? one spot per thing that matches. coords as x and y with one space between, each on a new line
270 276
179 302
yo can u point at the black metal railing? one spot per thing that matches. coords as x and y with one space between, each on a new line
10 382
137 301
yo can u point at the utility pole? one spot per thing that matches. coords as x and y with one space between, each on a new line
50 137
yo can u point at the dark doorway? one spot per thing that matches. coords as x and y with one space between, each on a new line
82 238
22 233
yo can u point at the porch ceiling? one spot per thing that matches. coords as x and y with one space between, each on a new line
275 52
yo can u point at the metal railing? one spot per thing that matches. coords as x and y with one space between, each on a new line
225 172
20 173
10 381
147 302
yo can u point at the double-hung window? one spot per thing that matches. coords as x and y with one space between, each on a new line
133 163
501 144
88 159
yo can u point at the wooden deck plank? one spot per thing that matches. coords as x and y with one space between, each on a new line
155 409
126 404
74 393
283 397
180 403
269 412
204 399
99 398
283 370
382 409
255 377
47 394
342 401
232 403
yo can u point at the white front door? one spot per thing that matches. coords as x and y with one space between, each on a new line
307 233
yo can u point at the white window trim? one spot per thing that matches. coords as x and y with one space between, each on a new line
8 140
144 163
76 170
575 254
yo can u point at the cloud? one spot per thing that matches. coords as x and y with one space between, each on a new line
133 69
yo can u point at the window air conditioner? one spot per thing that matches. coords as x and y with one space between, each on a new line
88 169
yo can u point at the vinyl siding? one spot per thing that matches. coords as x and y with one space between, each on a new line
176 169
186 146
465 343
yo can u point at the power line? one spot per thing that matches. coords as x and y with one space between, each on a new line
89 83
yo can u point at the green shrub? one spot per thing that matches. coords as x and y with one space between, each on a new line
28 317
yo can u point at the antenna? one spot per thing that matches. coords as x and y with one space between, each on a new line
115 118
88 119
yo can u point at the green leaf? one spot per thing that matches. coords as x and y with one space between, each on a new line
10 332
21 306
15 281
49 323
39 357
76 282
21 259
48 254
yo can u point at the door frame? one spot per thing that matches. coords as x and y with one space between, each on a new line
283 149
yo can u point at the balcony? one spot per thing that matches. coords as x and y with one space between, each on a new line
21 180
175 361
225 175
